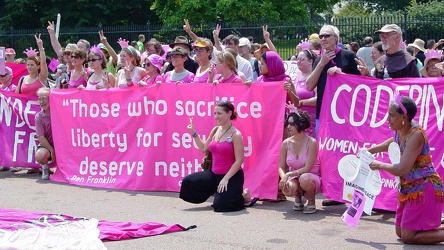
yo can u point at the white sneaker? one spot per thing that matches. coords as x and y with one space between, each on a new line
45 174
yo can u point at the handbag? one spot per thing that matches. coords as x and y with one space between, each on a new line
207 161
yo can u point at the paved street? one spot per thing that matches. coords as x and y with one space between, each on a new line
264 226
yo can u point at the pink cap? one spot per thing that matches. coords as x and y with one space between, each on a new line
8 71
155 60
10 51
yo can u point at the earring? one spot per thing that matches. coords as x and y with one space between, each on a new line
402 122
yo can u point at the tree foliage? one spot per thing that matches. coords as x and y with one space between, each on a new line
353 9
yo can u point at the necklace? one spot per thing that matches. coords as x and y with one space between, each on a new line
218 140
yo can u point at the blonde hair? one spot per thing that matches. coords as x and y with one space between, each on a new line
227 59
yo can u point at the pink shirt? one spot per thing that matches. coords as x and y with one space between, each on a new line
43 126
187 79
295 163
223 156
153 80
31 89
80 81
10 88
202 77
232 79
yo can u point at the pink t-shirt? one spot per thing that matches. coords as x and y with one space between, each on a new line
232 79
303 93
153 80
202 77
31 89
186 79
43 126
223 156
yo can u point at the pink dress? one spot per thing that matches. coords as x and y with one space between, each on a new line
187 79
31 89
294 163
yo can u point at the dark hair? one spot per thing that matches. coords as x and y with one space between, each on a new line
378 46
302 120
157 46
368 40
430 43
79 52
264 57
232 37
310 55
409 105
354 46
227 107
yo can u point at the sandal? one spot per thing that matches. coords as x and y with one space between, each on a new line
281 197
309 209
16 169
34 171
298 206
251 203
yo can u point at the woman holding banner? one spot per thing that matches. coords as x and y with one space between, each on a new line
421 192
226 177
299 163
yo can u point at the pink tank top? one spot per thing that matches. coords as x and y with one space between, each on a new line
232 79
79 81
202 77
223 155
31 88
186 79
295 163
153 80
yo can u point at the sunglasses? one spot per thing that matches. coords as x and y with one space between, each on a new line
67 53
94 59
199 49
290 123
324 36
75 57
147 64
3 75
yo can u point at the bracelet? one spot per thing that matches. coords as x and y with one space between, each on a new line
195 134
42 49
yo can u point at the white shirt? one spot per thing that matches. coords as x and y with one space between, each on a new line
244 66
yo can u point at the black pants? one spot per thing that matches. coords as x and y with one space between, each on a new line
198 187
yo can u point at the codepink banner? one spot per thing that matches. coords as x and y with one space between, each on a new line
354 115
137 138
18 142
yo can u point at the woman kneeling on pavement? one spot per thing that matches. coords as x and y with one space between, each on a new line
299 162
226 177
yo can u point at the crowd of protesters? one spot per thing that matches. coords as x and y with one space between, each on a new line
239 60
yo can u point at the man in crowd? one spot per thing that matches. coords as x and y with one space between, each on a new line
243 65
244 51
365 53
190 64
399 63
333 60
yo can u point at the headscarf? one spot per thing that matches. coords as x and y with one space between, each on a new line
275 65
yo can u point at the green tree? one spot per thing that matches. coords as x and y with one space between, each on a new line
353 9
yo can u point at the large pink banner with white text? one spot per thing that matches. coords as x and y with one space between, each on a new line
354 115
137 138
18 142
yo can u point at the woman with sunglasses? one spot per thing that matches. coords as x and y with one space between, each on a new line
204 49
306 99
100 78
79 75
226 70
152 65
299 163
37 69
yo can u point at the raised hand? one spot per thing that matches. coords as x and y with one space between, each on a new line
102 37
39 41
190 126
186 26
50 28
216 32
265 32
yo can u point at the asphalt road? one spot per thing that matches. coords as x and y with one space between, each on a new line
265 226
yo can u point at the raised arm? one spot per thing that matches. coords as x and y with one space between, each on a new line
267 38
43 75
188 30
216 33
54 42
201 145
110 49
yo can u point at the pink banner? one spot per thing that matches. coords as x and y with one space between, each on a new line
17 133
18 71
354 115
137 139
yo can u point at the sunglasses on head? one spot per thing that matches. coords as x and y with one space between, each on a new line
324 36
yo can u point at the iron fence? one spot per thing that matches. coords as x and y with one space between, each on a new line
285 34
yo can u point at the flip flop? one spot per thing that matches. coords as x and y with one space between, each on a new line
298 206
309 209
251 203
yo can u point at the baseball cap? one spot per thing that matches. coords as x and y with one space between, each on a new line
10 51
389 28
8 71
243 41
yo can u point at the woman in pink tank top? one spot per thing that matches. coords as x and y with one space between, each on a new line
226 178
37 69
299 162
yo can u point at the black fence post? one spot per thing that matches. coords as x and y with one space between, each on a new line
202 22
406 37
148 28
11 34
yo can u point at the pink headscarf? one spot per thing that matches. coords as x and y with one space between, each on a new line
276 69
